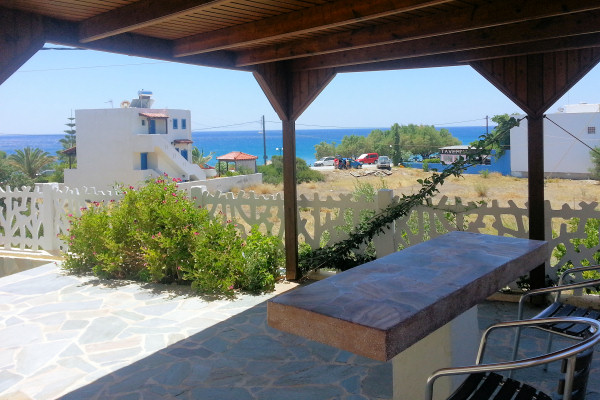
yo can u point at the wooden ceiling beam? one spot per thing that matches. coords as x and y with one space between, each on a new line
136 15
477 17
472 56
438 60
328 15
66 33
525 32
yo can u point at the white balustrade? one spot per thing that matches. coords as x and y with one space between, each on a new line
31 218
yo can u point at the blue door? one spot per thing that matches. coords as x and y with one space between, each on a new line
152 127
184 153
143 160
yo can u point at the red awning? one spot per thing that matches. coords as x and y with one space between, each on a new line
183 141
154 115
236 156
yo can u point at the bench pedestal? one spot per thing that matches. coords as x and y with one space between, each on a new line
453 344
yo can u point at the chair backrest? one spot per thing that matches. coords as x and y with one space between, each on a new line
581 374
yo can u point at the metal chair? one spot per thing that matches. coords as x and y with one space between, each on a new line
484 383
559 309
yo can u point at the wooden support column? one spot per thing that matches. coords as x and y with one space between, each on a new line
290 93
21 36
535 162
535 82
290 196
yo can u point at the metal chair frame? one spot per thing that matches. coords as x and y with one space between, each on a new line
569 353
558 291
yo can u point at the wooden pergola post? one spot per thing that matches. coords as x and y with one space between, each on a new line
290 93
534 82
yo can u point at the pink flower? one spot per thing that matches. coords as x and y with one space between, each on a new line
70 215
231 287
83 208
131 187
196 233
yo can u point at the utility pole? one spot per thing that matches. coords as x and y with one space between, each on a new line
264 139
487 118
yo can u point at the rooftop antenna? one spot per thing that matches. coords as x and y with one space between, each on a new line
111 103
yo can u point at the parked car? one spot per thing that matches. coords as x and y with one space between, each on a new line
325 161
355 164
347 163
368 158
384 162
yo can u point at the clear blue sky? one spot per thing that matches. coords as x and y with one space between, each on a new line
39 97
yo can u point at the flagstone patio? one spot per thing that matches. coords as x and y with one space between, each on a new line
72 337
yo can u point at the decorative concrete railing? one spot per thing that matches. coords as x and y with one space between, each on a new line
32 218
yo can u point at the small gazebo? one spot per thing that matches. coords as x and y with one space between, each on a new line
240 159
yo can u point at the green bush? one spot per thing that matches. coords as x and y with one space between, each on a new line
273 173
155 233
432 160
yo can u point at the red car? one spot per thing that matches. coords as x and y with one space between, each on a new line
368 158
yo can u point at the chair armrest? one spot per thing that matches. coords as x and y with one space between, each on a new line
567 352
577 269
554 289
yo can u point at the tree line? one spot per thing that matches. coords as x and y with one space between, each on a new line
399 142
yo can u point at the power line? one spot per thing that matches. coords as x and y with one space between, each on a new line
458 122
225 126
573 136
92 67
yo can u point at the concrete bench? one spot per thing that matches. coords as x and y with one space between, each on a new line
423 296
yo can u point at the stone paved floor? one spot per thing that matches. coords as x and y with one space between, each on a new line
79 338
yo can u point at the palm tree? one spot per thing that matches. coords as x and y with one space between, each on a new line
30 161
199 158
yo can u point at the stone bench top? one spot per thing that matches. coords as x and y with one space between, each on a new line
380 308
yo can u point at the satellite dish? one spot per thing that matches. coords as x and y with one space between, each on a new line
125 104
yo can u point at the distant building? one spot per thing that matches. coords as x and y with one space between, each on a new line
565 156
449 154
241 160
130 144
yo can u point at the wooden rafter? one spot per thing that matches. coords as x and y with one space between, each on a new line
66 33
328 15
136 15
525 32
468 19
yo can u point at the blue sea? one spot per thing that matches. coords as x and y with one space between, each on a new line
251 142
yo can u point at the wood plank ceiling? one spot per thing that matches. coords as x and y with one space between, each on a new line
344 35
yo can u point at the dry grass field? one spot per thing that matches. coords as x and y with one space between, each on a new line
470 187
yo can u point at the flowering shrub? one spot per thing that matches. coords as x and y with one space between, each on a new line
157 234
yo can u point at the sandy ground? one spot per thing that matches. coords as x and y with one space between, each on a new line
469 187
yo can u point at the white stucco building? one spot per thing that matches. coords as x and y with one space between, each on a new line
565 156
127 145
